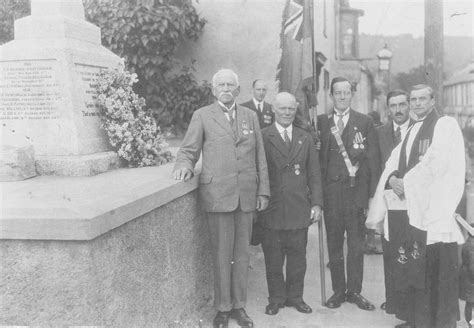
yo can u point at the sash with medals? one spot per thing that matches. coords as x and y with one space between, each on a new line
342 149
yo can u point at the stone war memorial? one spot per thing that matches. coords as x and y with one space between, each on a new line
47 77
82 241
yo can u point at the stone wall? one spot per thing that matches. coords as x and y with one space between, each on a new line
152 271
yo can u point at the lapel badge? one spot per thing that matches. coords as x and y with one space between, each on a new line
245 127
297 169
300 142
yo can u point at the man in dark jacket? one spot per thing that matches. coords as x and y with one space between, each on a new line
295 203
266 117
389 136
350 170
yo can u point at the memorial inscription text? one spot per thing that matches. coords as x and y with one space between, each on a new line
29 90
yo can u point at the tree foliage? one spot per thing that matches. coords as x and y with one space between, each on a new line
415 76
11 10
147 34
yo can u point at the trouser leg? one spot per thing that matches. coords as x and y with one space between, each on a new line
296 264
241 254
221 231
355 249
335 241
273 251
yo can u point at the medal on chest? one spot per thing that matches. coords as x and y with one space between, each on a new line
267 119
297 169
358 142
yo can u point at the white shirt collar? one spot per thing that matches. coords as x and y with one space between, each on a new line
256 102
402 126
224 106
344 113
281 130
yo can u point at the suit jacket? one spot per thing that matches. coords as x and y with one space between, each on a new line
295 179
368 158
386 142
266 117
234 168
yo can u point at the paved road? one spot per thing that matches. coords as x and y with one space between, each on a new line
348 315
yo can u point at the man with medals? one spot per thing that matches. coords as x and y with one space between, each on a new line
295 203
266 117
350 168
414 205
233 184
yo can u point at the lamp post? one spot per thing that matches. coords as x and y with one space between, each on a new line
384 57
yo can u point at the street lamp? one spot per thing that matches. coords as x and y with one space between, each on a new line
384 56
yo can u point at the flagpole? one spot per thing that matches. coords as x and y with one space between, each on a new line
313 61
322 265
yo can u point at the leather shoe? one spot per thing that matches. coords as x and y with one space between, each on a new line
383 305
273 308
336 300
221 320
300 307
360 301
242 318
404 325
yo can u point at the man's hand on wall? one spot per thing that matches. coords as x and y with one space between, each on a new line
262 203
183 174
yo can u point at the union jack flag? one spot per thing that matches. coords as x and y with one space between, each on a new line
295 71
294 22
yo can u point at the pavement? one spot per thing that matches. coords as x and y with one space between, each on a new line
348 315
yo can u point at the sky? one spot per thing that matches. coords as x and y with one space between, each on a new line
392 17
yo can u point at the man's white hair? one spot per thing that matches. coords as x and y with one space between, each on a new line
224 71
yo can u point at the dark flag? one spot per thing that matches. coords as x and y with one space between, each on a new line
295 70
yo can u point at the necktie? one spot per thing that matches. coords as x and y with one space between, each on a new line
398 135
340 123
231 116
259 108
286 139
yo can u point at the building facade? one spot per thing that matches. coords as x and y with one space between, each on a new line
244 35
458 94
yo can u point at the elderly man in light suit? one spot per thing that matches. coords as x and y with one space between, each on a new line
232 185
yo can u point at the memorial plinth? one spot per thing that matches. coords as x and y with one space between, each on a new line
47 82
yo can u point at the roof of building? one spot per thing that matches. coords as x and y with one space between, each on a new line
464 75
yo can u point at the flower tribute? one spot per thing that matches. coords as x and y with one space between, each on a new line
131 129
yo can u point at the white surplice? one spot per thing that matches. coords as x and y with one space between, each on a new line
433 187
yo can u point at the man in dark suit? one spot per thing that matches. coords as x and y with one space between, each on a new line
295 203
232 185
266 117
390 135
350 169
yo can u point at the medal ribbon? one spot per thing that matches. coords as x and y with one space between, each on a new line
351 168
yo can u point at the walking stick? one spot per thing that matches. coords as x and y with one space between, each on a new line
322 269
